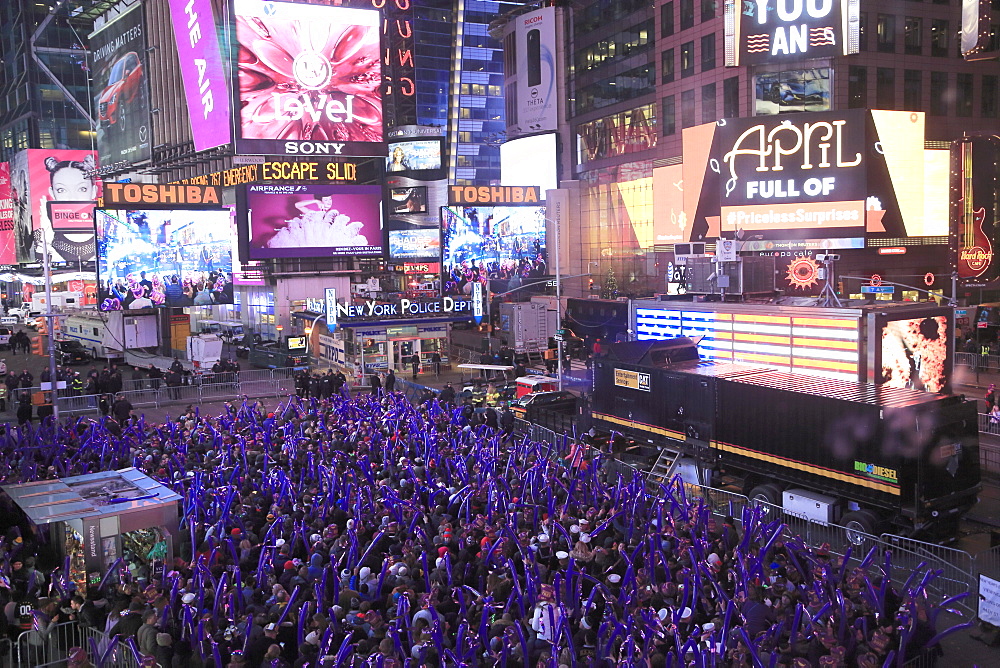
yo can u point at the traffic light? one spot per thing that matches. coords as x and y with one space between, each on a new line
38 346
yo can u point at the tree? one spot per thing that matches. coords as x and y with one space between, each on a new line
610 288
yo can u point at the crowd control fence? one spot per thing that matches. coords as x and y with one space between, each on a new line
51 647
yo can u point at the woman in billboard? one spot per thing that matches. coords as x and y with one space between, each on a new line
22 214
69 181
397 161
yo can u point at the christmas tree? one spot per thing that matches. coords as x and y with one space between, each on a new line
610 288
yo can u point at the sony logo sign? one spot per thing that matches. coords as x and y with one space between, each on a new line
313 148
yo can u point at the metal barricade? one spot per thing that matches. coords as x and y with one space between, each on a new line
988 563
957 566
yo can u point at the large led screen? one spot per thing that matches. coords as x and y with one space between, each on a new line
8 252
501 242
408 200
314 220
121 90
792 90
405 156
530 161
148 258
423 243
915 353
310 79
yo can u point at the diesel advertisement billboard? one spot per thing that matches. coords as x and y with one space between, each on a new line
771 31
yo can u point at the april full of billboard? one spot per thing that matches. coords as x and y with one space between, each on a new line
163 257
313 221
39 176
768 31
309 79
536 71
121 90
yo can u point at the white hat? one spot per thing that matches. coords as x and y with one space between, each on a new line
575 528
402 571
312 638
315 538
279 542
439 562
271 627
614 578
714 559
662 613
562 554
365 572
708 628
187 599
686 613
543 538
585 537
350 523
344 574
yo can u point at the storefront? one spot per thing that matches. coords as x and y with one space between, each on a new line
376 335
97 518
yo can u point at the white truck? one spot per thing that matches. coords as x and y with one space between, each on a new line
203 351
60 301
108 335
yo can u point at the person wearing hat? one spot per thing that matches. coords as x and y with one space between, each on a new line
258 647
164 651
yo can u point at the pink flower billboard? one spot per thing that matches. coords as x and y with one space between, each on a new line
309 79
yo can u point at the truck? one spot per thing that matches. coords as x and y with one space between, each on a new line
60 301
108 335
865 457
203 351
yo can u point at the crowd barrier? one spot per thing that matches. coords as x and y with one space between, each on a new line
40 649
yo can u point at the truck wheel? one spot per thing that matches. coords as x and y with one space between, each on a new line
766 494
858 525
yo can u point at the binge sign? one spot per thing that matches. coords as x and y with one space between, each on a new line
765 31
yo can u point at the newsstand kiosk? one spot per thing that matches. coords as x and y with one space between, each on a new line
96 518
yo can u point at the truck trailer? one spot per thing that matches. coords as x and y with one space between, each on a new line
869 458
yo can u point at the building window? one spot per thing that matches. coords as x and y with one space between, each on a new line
885 88
939 37
912 90
667 66
912 34
687 59
963 99
886 33
667 19
687 14
988 103
863 32
731 97
707 10
708 52
687 109
669 116
939 90
708 103
857 87
994 38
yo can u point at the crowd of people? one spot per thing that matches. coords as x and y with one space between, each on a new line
366 530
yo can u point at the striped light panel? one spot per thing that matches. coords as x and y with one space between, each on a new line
824 347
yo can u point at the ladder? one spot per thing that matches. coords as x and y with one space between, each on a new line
663 469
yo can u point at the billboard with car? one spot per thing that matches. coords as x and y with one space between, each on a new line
121 89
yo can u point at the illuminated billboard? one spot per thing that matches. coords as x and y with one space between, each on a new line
8 251
496 242
975 211
762 31
530 161
39 176
414 154
536 97
792 90
915 353
163 257
310 79
422 243
121 90
313 220
408 200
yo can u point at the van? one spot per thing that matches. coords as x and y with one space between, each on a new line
5 333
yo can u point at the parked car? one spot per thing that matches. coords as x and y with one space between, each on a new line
5 334
72 352
124 86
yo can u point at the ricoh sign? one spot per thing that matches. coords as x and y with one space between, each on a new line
767 31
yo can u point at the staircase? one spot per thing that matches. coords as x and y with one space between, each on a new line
663 469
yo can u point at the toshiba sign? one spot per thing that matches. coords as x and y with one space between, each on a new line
767 31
